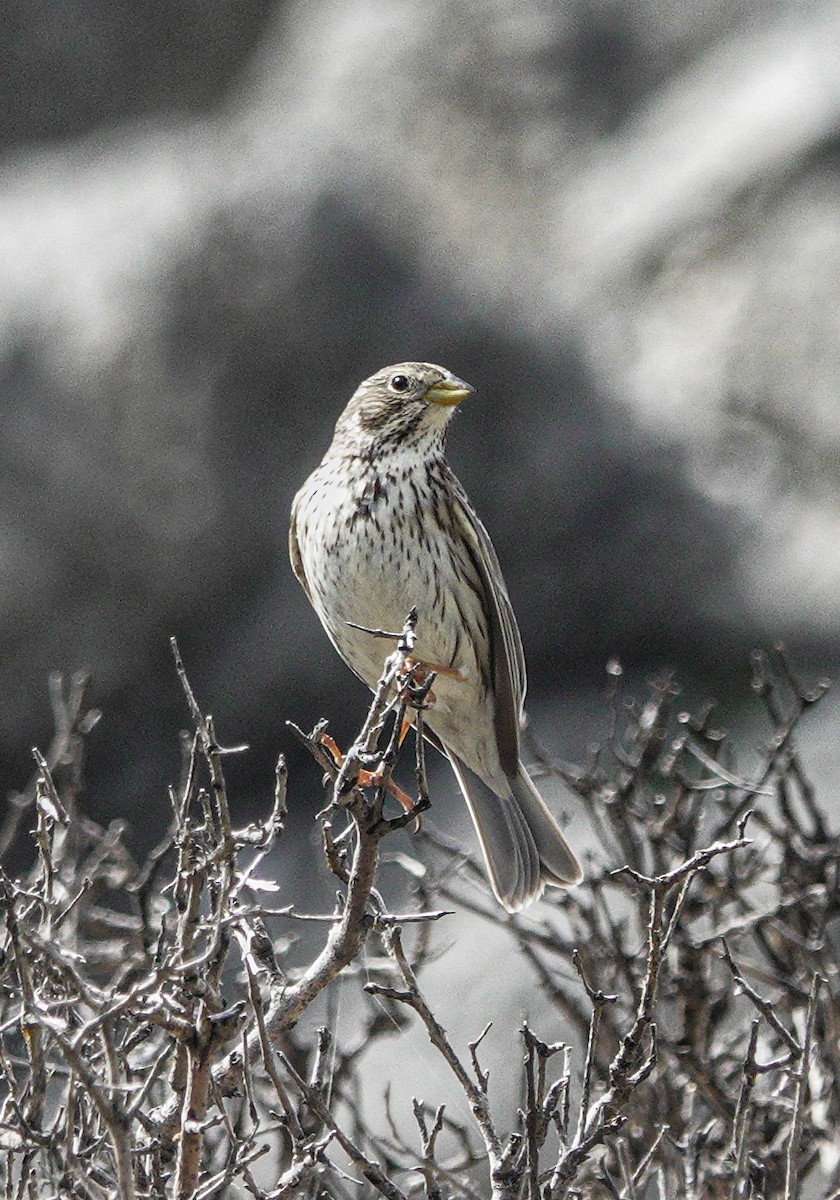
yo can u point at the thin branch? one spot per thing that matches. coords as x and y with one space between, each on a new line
792 1157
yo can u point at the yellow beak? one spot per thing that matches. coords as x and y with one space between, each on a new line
449 391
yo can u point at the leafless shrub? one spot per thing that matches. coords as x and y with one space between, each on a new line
152 1042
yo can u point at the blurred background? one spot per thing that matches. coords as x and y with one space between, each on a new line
620 222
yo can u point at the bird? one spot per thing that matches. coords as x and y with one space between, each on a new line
382 526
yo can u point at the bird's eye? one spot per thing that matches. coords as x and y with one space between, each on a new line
399 383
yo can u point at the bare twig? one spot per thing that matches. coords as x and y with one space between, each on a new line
792 1160
151 1039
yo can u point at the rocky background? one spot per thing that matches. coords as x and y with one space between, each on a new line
621 222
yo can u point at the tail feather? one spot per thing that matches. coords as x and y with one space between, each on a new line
558 864
522 844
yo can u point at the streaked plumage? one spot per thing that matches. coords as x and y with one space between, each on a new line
383 525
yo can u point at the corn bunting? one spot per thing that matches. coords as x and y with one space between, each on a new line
383 525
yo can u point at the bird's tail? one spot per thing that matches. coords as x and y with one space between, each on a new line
523 846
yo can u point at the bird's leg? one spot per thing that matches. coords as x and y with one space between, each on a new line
368 778
418 678
421 668
421 675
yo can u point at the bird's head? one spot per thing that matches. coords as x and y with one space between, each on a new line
405 406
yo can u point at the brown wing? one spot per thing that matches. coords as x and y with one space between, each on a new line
294 549
507 660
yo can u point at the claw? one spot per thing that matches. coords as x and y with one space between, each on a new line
371 778
421 669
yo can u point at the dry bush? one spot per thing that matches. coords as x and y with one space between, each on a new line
152 1042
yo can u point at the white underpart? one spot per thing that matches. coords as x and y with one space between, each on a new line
342 559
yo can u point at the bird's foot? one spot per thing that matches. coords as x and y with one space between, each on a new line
375 778
419 676
421 669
